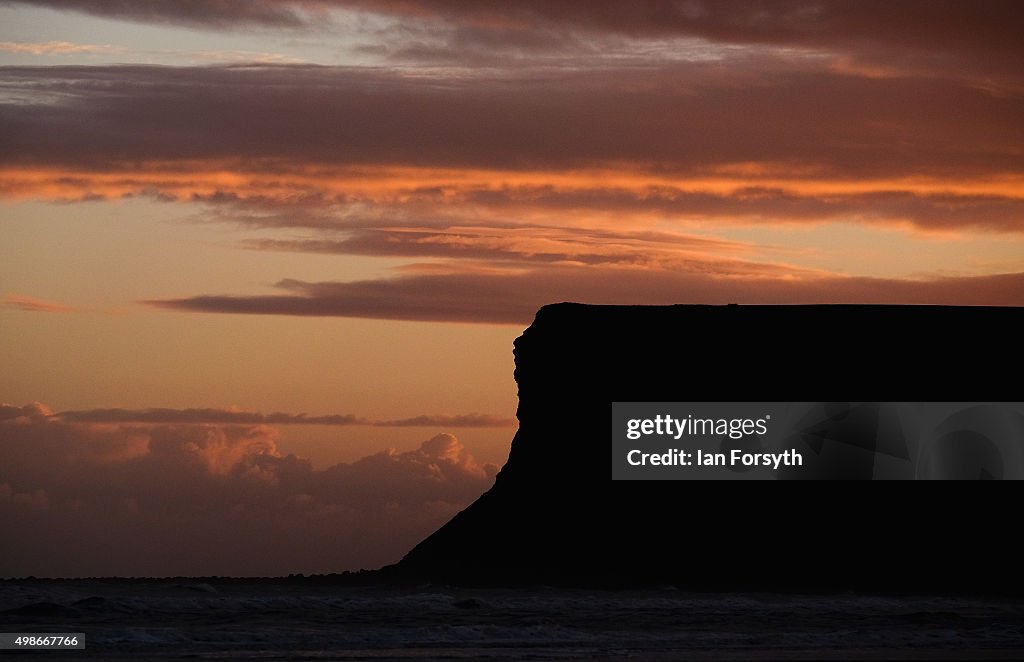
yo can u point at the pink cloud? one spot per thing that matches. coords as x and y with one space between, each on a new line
32 304
452 421
169 499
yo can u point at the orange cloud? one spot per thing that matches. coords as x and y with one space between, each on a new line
534 177
32 304
54 48
561 197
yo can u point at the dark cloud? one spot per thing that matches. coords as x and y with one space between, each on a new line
205 415
175 499
34 411
452 421
983 25
987 25
217 14
512 298
970 41
233 417
682 118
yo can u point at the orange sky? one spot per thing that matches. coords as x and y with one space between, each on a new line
348 210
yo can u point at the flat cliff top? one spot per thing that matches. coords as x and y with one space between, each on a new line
569 312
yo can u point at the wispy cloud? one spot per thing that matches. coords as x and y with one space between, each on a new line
197 416
523 121
199 13
495 149
35 305
55 48
241 57
451 421
512 298
980 37
205 415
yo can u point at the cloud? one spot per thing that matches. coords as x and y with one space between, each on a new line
170 499
762 141
54 48
530 244
221 14
768 204
937 25
469 202
452 421
244 57
974 42
197 416
506 186
32 304
512 298
205 415
32 412
802 203
696 117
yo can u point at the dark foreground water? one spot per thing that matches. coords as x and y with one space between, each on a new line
169 619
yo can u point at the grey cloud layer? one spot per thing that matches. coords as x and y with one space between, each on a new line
219 14
760 112
227 416
988 25
976 41
512 299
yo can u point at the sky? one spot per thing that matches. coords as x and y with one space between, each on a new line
263 261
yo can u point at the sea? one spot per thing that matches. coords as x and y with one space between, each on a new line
265 619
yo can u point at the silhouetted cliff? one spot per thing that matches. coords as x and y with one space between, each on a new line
554 516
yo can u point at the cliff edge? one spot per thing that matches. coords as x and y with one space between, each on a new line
554 516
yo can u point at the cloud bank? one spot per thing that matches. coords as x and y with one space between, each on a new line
235 417
176 499
513 299
775 111
984 26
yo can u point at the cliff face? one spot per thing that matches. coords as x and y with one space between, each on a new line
554 516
